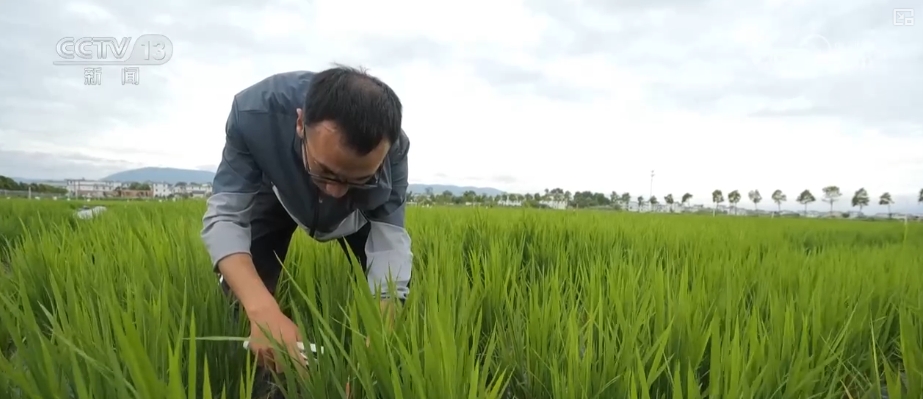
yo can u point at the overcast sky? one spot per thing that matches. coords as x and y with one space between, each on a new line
518 95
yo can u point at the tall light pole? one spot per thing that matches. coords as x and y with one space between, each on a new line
651 194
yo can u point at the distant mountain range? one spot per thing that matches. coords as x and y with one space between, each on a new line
165 175
174 175
456 190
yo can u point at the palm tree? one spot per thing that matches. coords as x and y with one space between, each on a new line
806 198
669 200
755 198
717 197
831 195
734 198
640 202
885 199
860 198
779 197
653 201
686 198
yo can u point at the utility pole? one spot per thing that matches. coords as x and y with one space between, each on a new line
651 194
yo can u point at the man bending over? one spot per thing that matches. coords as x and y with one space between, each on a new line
324 151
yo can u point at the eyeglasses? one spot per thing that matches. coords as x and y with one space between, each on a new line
326 179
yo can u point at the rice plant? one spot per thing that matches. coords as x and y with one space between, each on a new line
505 303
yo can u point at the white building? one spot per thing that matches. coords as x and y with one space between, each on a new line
508 202
90 188
554 204
161 190
194 190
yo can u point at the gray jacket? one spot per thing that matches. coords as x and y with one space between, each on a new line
262 162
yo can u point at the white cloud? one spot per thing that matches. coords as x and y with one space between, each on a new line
609 125
88 11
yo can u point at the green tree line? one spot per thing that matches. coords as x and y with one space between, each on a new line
580 199
7 183
587 199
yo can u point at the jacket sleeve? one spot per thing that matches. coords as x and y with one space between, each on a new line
388 245
226 224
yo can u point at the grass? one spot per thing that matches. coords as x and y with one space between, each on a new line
527 303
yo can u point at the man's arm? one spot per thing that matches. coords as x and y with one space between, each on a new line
226 224
388 245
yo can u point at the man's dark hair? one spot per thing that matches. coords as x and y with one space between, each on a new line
364 107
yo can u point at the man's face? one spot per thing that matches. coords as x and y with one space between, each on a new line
334 168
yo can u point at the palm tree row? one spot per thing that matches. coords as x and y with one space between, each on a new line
831 194
584 199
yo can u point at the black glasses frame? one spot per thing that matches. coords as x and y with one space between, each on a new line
318 178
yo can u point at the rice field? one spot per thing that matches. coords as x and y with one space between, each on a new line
506 303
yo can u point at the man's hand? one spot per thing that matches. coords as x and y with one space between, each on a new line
262 310
281 329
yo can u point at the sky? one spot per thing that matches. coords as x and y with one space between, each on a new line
520 95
